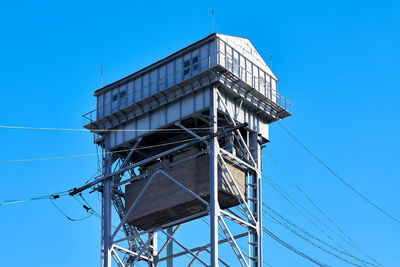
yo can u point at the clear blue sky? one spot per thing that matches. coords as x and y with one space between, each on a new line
337 61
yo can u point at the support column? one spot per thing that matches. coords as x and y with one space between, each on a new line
214 206
259 203
106 218
153 250
170 249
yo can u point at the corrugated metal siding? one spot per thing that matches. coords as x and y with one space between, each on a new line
166 115
244 63
158 79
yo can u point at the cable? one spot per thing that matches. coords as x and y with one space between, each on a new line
265 230
286 224
66 216
95 154
338 176
291 201
8 202
317 207
286 196
100 130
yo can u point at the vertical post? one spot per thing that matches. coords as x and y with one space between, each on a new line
170 249
106 219
257 206
102 233
214 206
153 250
259 203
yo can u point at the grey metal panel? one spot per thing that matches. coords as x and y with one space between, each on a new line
131 97
173 112
162 85
154 81
130 130
178 70
158 79
119 136
100 106
138 89
170 74
146 85
159 118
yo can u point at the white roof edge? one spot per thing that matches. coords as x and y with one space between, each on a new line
264 63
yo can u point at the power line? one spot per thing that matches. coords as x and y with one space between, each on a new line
44 197
288 197
51 197
95 154
276 238
68 217
337 175
99 130
318 208
292 202
288 224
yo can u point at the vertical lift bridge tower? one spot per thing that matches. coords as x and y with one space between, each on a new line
181 140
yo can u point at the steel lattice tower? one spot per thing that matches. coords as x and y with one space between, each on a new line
182 140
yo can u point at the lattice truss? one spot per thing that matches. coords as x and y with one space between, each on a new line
239 227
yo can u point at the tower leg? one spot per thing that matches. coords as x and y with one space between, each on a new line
106 218
153 250
214 206
257 205
170 249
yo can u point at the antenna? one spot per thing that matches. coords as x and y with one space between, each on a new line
102 76
212 21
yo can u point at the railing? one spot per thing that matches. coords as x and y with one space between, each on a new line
89 117
258 83
126 98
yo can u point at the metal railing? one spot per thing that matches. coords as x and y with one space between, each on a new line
89 117
258 83
152 87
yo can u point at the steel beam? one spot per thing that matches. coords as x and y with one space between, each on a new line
201 248
214 206
259 204
106 219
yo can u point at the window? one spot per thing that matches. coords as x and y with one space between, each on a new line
115 97
122 94
191 66
195 62
186 67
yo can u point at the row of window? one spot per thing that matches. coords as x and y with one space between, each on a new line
191 66
121 95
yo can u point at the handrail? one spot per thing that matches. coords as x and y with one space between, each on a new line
218 58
